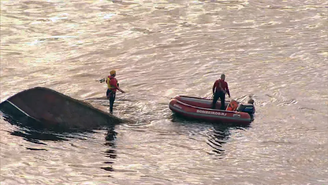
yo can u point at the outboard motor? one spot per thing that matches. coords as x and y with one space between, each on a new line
249 108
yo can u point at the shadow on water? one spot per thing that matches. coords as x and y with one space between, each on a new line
32 131
217 134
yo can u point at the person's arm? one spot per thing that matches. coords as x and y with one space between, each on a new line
214 87
117 87
107 81
114 83
227 90
120 90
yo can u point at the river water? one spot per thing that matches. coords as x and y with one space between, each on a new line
274 50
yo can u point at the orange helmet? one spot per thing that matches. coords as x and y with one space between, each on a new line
112 72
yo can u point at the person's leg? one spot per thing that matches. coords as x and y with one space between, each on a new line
215 99
111 102
222 98
107 93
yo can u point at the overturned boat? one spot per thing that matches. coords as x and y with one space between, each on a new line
200 108
41 107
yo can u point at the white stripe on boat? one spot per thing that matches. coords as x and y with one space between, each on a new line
21 110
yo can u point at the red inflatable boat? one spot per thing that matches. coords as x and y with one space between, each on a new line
200 108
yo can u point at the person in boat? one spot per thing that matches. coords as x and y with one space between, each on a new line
250 101
232 106
220 88
112 85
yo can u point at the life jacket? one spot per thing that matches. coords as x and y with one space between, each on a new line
110 87
233 105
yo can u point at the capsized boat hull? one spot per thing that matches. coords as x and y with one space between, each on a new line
47 108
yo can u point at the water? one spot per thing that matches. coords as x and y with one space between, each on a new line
273 50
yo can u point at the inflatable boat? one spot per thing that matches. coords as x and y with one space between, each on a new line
200 108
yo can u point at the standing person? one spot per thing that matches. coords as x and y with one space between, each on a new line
220 88
112 84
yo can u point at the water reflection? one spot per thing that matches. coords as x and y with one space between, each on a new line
35 132
110 152
217 134
31 131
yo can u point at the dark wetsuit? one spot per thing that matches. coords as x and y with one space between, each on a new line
220 87
111 91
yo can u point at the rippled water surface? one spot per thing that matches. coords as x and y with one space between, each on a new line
274 50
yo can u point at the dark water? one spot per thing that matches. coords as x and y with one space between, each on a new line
273 50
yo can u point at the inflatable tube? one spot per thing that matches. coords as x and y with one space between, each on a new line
199 108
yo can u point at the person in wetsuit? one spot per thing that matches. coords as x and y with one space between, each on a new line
220 88
112 85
